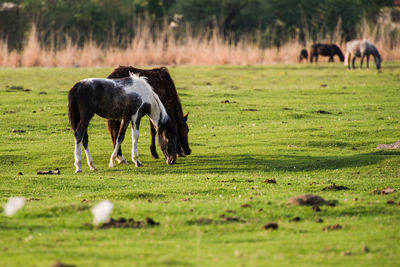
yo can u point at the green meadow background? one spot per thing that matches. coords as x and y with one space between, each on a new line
306 126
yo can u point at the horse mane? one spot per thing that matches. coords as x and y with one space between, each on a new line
164 114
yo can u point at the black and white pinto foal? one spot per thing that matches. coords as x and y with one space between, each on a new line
128 100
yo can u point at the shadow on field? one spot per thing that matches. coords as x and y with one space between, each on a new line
293 163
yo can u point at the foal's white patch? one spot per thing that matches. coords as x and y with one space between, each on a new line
102 212
13 205
87 80
141 87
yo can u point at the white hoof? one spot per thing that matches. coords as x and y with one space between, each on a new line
138 163
78 167
111 165
92 167
122 160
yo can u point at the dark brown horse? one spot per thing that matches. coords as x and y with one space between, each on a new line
327 50
164 87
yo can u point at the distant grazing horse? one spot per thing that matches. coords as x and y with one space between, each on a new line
128 100
358 48
325 50
164 87
303 55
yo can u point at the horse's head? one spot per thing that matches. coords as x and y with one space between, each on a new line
378 62
167 139
183 131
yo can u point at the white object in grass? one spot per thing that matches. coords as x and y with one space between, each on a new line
102 212
13 205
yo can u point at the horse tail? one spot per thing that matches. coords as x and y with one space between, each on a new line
73 111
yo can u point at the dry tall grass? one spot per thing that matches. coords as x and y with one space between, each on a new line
145 50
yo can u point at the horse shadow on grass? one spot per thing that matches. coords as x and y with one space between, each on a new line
284 162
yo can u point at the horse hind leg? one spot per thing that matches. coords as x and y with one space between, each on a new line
89 158
78 155
79 136
367 61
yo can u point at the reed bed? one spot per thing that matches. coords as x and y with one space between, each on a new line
173 47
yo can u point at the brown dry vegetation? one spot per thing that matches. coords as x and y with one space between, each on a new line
165 49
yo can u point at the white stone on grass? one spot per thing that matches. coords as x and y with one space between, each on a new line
102 212
13 205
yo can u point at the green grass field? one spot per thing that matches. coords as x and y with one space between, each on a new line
273 127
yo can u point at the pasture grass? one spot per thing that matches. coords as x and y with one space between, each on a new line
306 126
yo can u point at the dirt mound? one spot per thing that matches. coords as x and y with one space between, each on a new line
224 219
55 171
335 187
271 226
303 200
60 264
332 227
129 223
384 191
395 145
310 200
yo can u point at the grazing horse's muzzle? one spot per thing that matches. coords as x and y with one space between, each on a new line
171 160
188 151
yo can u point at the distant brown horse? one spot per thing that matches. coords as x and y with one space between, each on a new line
328 50
164 87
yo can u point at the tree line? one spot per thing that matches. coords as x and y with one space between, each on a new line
114 22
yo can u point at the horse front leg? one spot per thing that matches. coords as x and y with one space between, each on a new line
354 62
113 128
362 61
135 139
120 139
153 149
348 61
367 61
